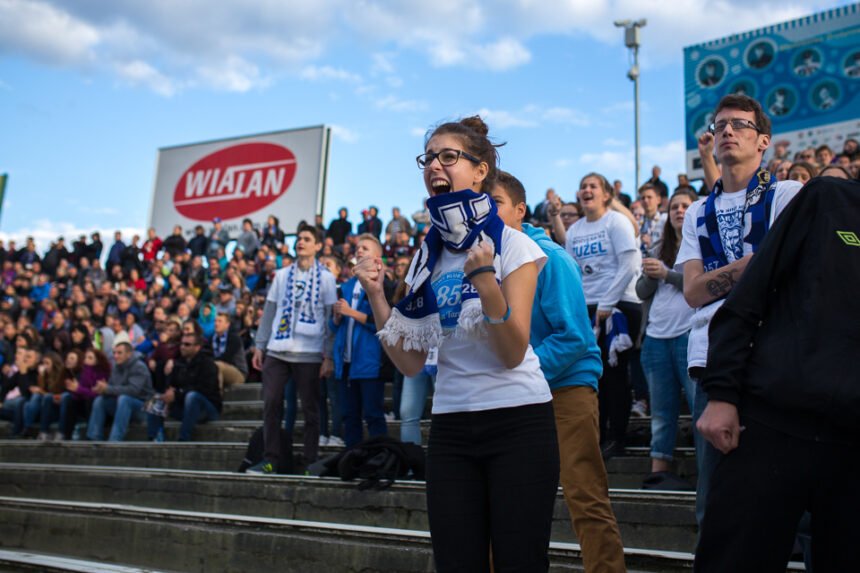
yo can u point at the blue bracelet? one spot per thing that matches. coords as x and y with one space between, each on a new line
502 320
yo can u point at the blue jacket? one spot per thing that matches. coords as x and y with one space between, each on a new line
561 333
366 348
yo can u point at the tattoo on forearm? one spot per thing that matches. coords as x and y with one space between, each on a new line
723 283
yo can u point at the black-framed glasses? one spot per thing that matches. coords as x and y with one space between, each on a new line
736 123
446 157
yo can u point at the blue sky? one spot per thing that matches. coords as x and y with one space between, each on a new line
89 90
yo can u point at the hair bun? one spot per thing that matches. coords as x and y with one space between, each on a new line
476 124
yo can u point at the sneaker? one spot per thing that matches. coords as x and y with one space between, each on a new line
389 416
262 468
324 441
335 442
666 481
44 437
639 409
58 436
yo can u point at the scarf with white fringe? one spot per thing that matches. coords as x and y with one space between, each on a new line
459 219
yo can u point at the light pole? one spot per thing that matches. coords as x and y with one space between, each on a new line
631 40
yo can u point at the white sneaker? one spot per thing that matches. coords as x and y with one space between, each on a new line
389 416
44 437
58 436
639 409
324 441
336 442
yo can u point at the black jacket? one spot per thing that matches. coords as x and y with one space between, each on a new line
198 375
785 346
234 352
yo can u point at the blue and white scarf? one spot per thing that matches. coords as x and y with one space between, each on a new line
759 201
305 305
459 219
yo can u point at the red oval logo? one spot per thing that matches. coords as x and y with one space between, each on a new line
235 181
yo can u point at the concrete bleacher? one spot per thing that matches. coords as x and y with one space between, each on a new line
179 507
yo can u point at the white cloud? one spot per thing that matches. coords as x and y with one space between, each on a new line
344 134
612 142
418 132
501 119
317 73
566 115
382 63
617 164
139 72
505 54
46 32
235 75
393 103
562 163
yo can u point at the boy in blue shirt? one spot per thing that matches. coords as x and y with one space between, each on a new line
563 340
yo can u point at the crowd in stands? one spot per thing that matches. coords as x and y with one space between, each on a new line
157 328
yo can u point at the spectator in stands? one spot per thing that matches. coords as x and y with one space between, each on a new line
358 355
802 172
824 155
123 395
398 224
248 241
166 349
835 171
619 192
193 395
273 235
339 229
175 244
15 391
492 454
228 352
199 243
659 184
604 245
782 170
421 218
719 238
370 223
668 320
651 228
76 402
151 246
55 390
116 250
94 251
226 301
294 342
541 213
218 238
563 339
49 380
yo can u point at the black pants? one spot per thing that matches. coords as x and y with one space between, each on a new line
492 476
613 394
276 374
760 491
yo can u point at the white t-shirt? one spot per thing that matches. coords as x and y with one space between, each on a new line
669 315
305 337
471 377
595 246
733 228
653 227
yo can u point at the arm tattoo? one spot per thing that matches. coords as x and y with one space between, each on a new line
722 284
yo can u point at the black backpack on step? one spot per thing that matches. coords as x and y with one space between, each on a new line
377 461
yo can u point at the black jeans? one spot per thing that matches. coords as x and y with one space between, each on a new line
306 375
492 477
760 491
614 387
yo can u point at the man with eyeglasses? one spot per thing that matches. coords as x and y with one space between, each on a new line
193 395
720 235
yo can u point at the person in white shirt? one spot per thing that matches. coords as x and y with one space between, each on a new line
720 235
604 245
492 458
294 342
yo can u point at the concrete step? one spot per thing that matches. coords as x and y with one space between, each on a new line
657 520
27 561
202 541
254 391
624 472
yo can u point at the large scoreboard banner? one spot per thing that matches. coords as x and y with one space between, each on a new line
805 73
281 174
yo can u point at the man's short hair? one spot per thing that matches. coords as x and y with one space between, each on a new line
195 339
512 187
824 147
369 237
648 187
746 103
316 232
224 315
